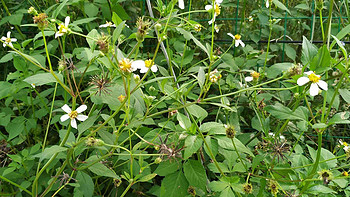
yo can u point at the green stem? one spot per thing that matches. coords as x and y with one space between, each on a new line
239 156
15 184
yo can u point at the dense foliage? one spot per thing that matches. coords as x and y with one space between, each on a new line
174 98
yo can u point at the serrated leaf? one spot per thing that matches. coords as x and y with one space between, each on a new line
309 51
188 35
86 184
174 185
195 174
100 169
192 144
49 152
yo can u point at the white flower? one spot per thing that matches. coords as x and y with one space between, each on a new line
181 4
108 24
267 3
144 65
250 18
33 85
72 115
343 143
8 40
237 39
127 66
316 82
216 10
63 28
217 29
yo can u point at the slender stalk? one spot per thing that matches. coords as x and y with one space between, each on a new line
15 184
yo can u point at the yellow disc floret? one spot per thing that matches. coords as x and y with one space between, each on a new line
125 65
73 114
314 78
62 28
255 75
237 37
217 9
8 40
149 63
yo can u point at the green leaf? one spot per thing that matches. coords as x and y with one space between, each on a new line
317 189
256 161
218 186
197 111
59 9
345 94
15 127
213 128
188 35
195 174
86 184
49 152
341 46
118 30
192 144
280 5
93 34
277 69
147 177
116 19
213 145
281 112
319 126
88 123
46 33
201 77
184 121
43 78
6 58
309 51
174 185
90 9
321 61
344 32
84 21
167 167
226 143
339 118
100 169
5 89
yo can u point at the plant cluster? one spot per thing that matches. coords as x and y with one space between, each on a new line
113 105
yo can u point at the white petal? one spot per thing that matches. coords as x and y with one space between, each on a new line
309 72
4 45
181 4
113 25
314 89
138 64
8 34
218 2
323 85
66 21
208 7
58 34
81 108
236 43
64 117
3 38
82 117
73 123
66 108
104 25
248 79
241 43
13 40
10 44
302 81
267 3
154 68
144 69
231 35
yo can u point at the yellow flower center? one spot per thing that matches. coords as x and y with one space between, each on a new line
255 75
73 114
109 23
125 65
148 63
121 98
345 144
237 37
197 28
217 9
313 78
8 40
62 28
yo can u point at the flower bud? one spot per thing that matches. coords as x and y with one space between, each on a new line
230 131
158 27
158 160
32 11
